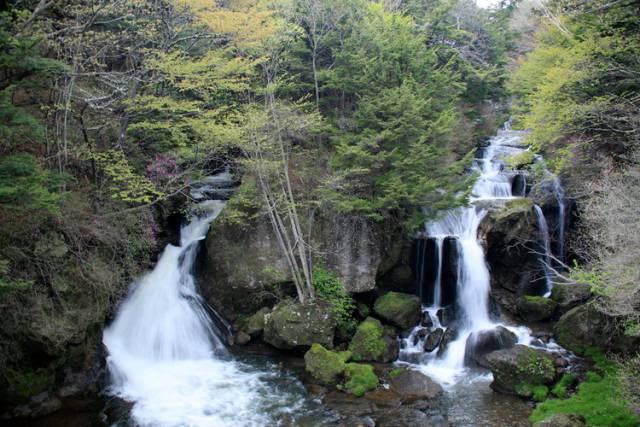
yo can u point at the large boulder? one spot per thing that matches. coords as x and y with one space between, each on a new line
413 385
520 369
325 366
569 295
590 325
450 335
515 269
536 308
292 326
372 343
253 325
481 343
403 310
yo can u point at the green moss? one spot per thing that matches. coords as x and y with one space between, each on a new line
363 309
516 206
396 372
360 378
537 392
367 343
324 365
521 160
31 383
598 399
560 389
536 308
401 309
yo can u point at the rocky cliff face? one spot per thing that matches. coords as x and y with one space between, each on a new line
241 271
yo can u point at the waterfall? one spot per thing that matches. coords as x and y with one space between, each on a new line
165 355
473 279
545 258
437 284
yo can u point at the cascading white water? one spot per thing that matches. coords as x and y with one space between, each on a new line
473 282
165 356
545 259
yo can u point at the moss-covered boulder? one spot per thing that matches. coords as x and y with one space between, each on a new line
536 308
360 378
254 324
519 370
400 309
292 326
326 366
371 343
569 295
589 325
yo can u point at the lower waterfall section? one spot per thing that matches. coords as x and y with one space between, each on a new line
166 357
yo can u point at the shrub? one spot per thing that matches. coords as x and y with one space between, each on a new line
329 288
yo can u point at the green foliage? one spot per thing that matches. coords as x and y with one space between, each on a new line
26 189
598 399
360 378
126 184
396 372
560 389
329 288
537 392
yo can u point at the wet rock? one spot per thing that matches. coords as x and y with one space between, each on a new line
590 326
569 295
419 335
384 397
409 417
413 385
449 335
325 366
518 369
450 268
371 344
427 322
515 269
39 406
446 315
254 324
241 338
519 185
403 310
291 326
536 308
433 340
481 343
562 420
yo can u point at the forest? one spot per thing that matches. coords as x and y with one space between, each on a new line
320 212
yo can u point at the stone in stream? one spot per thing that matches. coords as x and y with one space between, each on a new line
413 385
291 326
519 369
481 343
449 335
422 332
427 322
403 310
325 366
433 340
410 417
446 315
